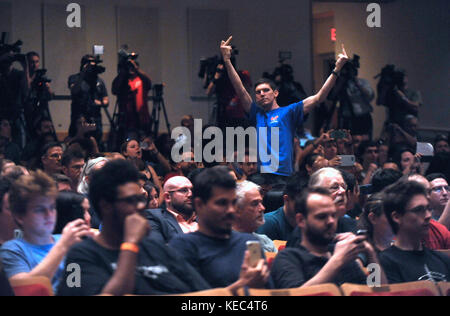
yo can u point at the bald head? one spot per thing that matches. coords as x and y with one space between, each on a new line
178 196
176 183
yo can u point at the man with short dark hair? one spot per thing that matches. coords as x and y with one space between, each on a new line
72 164
121 260
312 262
368 156
62 182
439 194
247 166
279 224
178 216
132 86
438 235
51 158
215 250
39 93
383 178
89 95
441 144
353 206
408 212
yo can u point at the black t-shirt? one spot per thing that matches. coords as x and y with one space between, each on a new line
409 266
398 109
159 270
83 99
293 267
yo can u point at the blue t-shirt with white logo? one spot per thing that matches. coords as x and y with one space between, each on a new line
19 256
276 157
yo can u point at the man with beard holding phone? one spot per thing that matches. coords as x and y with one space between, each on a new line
178 217
317 260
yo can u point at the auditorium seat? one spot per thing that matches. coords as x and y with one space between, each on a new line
419 288
32 286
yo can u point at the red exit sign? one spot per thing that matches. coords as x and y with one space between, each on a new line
333 34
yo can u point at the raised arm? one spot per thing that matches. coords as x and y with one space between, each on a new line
236 81
312 101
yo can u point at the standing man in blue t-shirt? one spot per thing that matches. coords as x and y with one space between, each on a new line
276 125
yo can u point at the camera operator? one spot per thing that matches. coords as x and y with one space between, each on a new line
132 87
13 90
39 95
89 95
354 95
230 112
404 134
393 93
290 91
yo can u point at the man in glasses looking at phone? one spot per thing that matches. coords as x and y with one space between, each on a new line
178 217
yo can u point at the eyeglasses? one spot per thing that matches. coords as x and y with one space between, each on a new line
133 199
337 186
184 191
439 189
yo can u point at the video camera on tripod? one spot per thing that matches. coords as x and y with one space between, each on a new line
125 57
282 73
391 78
350 69
208 66
10 53
93 67
289 90
40 80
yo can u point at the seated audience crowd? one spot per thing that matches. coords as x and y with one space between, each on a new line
139 222
191 232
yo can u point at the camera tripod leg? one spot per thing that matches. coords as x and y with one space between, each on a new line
114 137
166 116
